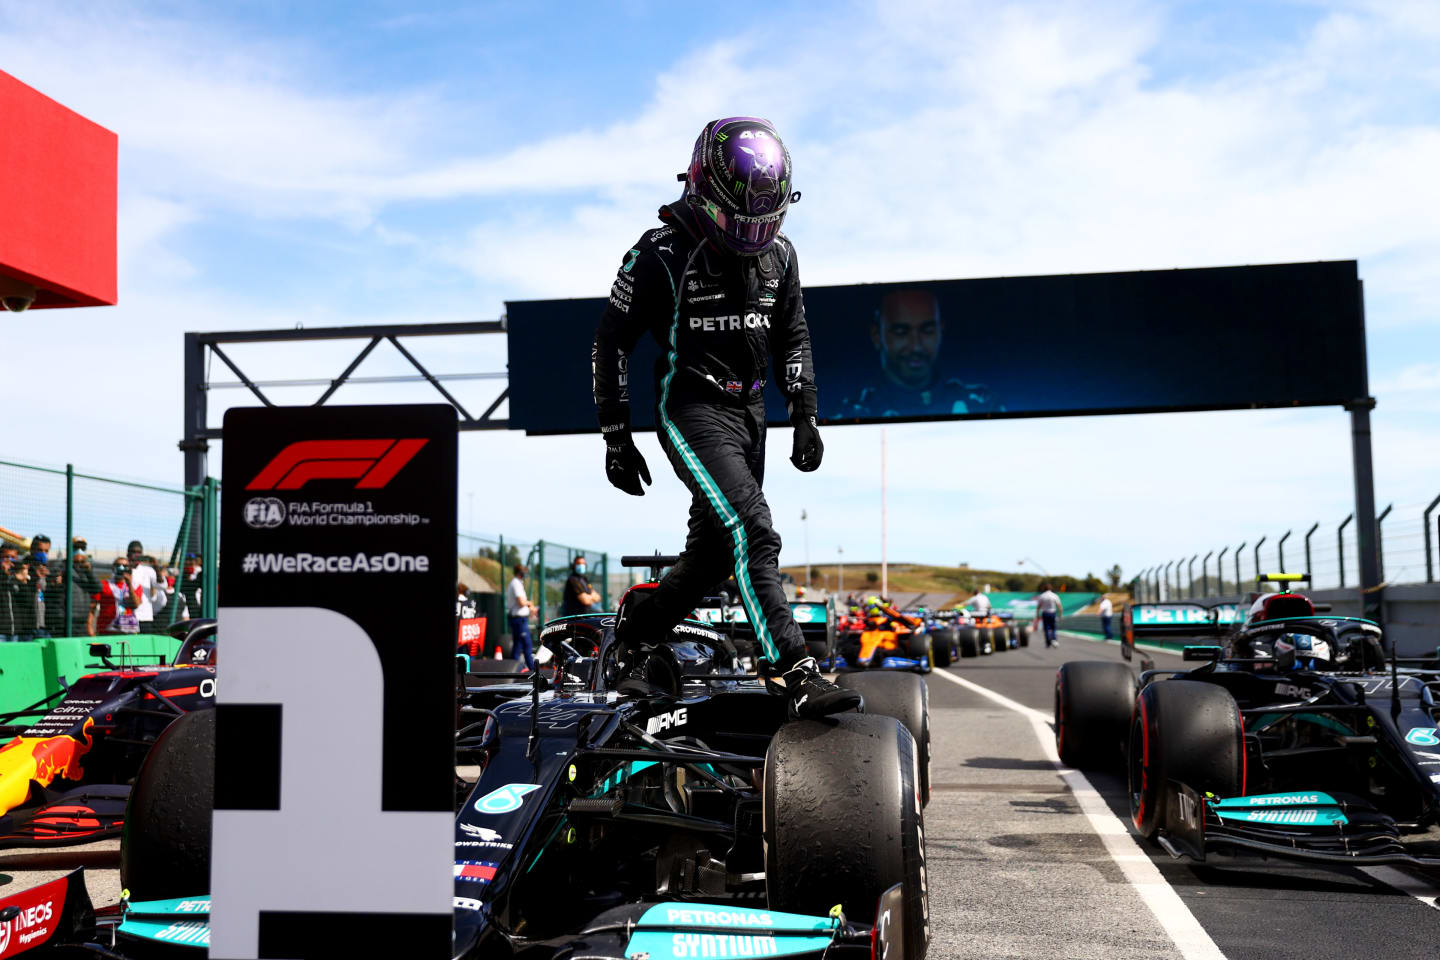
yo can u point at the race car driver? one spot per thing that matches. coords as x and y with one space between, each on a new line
718 287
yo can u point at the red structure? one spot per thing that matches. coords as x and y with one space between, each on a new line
57 201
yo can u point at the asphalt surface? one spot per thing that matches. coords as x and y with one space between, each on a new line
1018 872
1017 868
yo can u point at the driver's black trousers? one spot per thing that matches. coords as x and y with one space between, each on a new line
719 453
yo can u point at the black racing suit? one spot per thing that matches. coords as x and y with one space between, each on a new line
719 319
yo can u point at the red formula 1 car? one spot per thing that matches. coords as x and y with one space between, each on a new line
65 778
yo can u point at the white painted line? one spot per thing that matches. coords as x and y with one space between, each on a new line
1425 892
1170 911
1139 646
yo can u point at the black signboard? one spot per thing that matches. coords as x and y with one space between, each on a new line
334 781
1141 342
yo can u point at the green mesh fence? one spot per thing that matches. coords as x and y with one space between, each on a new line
492 558
89 522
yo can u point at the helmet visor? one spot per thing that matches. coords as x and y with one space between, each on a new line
745 235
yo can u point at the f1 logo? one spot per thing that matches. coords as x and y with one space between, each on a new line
373 462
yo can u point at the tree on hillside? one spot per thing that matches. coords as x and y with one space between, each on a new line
1113 575
1014 583
871 576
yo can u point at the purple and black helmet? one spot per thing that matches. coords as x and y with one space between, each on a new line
739 184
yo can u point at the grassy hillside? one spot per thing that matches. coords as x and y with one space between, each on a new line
945 585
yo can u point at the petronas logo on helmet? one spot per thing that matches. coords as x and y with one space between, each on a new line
738 182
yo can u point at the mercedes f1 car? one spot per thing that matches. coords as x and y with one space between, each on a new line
817 622
1296 739
662 788
65 777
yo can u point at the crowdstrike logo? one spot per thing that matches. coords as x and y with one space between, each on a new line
371 463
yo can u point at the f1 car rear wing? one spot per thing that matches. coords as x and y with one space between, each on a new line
657 562
1141 621
1283 578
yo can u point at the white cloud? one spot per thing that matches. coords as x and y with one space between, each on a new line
932 139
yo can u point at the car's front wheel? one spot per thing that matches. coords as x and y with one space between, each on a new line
1188 731
165 849
843 821
904 696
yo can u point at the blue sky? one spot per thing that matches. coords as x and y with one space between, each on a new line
366 162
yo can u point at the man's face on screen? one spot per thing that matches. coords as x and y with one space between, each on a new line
907 333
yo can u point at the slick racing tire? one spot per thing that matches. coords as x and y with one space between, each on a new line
905 697
843 821
819 649
969 642
942 647
1023 632
1184 730
988 636
918 646
165 847
1093 702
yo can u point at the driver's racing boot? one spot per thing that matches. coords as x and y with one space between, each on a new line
811 695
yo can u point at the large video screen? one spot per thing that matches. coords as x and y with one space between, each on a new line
1148 341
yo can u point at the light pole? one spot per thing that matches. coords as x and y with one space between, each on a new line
841 588
805 526
884 561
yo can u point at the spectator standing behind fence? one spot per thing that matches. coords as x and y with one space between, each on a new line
86 587
9 593
1107 610
579 595
1047 605
518 608
164 594
119 599
189 586
31 614
144 576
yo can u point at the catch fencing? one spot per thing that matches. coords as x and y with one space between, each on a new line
1409 541
90 520
106 513
548 565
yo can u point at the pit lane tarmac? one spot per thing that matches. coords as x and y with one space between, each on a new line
1017 869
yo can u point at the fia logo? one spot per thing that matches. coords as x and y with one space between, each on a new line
264 513
506 798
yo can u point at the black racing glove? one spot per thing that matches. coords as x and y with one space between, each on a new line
808 449
624 466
